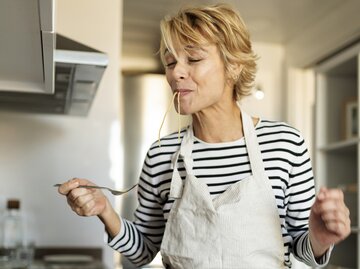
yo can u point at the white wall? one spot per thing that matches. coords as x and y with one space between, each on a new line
37 151
289 91
300 102
270 76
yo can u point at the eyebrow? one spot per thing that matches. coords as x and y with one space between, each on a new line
195 48
188 47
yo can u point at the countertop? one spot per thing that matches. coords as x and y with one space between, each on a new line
44 265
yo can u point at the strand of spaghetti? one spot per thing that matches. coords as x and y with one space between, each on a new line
167 111
178 111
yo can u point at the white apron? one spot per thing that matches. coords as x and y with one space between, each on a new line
240 228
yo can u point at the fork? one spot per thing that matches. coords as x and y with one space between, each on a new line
114 192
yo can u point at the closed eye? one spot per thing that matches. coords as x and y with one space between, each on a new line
194 60
171 64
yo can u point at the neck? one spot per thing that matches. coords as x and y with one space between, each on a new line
218 124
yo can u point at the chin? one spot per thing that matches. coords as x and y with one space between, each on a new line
184 111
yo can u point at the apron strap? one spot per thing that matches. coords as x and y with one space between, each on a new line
176 185
184 151
252 146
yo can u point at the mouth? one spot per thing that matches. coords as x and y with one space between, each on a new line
182 92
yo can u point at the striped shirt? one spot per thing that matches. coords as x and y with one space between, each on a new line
287 165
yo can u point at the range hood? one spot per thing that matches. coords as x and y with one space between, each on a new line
41 71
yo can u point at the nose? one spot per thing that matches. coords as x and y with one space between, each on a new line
181 71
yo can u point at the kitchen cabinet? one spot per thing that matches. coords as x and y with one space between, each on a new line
27 46
337 141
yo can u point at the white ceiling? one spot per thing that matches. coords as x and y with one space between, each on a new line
272 21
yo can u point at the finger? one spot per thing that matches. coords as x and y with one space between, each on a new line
89 208
337 215
334 226
330 205
74 194
321 195
70 203
84 209
82 200
98 206
339 228
66 187
319 198
329 200
321 207
334 194
77 210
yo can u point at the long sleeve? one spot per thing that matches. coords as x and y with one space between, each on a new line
140 240
301 196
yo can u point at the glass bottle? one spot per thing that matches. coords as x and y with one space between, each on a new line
13 235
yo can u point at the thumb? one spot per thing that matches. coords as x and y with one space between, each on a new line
66 187
319 198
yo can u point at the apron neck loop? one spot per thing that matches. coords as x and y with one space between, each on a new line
252 145
186 150
176 185
185 153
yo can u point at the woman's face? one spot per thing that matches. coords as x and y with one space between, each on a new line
198 77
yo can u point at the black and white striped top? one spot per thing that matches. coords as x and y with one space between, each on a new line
287 164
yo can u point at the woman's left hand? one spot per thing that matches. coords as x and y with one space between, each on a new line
329 221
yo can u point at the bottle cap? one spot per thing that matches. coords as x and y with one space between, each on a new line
13 204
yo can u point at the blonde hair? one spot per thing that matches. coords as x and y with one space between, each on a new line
216 24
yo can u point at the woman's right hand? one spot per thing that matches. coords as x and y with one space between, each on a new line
84 202
91 202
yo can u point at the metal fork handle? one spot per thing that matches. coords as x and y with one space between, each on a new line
94 187
115 192
86 186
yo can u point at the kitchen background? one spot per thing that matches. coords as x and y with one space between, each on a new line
109 144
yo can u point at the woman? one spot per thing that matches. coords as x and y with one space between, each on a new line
235 191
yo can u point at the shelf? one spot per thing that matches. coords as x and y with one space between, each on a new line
338 143
341 146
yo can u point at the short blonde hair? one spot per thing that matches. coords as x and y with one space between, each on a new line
216 24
